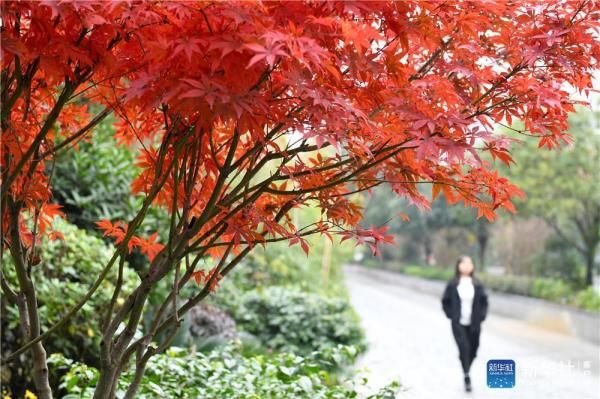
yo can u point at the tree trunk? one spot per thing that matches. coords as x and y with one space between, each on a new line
40 372
28 307
112 357
589 267
482 239
107 383
326 262
428 249
140 369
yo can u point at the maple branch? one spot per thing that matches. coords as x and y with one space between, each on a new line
190 179
90 125
257 190
116 293
365 188
492 106
48 124
134 303
249 199
218 271
422 71
227 200
264 241
6 81
11 295
577 11
159 314
523 132
140 365
206 290
28 308
8 104
171 238
216 193
397 148
142 343
504 79
206 19
262 187
120 251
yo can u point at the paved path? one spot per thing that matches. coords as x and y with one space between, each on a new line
410 339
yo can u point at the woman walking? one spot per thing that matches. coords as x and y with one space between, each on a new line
465 303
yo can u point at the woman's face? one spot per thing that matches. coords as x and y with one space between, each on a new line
465 267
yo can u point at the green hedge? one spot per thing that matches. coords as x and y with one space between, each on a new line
94 183
283 265
550 289
224 373
66 272
428 272
587 299
290 320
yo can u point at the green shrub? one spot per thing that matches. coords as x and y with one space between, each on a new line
286 319
283 265
94 183
511 284
559 260
273 267
587 299
224 373
550 289
67 271
430 272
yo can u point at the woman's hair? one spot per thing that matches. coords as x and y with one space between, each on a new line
460 259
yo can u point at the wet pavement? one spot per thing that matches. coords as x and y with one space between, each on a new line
411 340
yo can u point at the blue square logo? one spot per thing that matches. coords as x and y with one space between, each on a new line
501 373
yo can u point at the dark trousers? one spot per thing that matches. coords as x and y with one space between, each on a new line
467 339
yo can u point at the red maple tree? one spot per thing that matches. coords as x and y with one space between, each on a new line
243 111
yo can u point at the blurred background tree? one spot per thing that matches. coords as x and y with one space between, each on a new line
563 188
555 234
427 236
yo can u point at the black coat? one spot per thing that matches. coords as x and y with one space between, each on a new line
451 302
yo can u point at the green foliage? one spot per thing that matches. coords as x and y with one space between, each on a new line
588 299
94 183
224 373
416 233
510 284
435 273
76 377
550 289
562 186
284 265
287 319
288 302
66 272
559 260
281 265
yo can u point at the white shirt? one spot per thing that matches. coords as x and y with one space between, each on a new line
466 292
